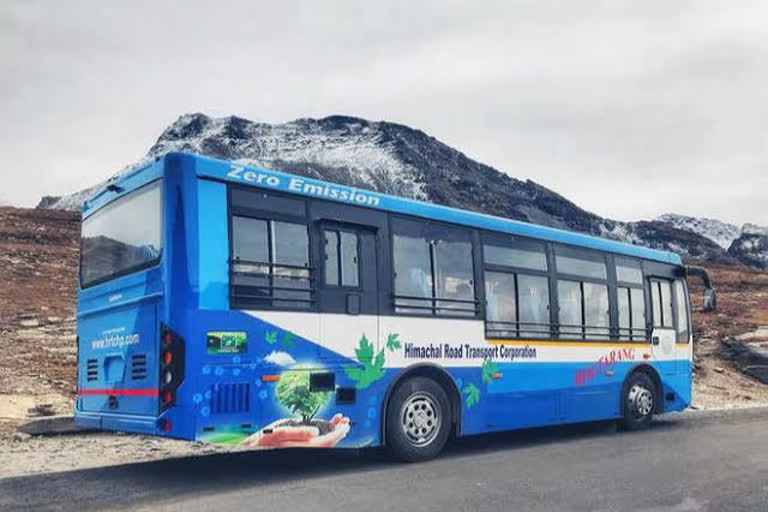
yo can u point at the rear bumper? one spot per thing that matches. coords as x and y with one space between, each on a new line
118 422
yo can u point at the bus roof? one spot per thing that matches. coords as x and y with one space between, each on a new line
234 172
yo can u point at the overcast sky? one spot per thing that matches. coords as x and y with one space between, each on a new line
629 109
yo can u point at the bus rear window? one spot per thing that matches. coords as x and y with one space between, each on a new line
123 237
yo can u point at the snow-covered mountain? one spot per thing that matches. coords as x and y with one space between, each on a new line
748 244
722 233
751 249
397 159
754 229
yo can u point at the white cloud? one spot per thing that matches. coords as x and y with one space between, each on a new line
280 358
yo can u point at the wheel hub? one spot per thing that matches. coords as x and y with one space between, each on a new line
641 400
420 419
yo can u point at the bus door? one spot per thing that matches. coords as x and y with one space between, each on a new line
663 335
683 345
347 286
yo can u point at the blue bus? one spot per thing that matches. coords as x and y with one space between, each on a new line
229 304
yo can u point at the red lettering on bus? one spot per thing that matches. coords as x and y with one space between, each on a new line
602 365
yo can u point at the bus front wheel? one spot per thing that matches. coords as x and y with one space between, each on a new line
639 401
418 419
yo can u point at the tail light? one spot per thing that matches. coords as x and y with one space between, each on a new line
171 366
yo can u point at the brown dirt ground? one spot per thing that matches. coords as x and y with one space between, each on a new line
38 269
742 308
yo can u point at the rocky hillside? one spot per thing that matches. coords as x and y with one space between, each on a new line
396 159
38 264
38 272
752 249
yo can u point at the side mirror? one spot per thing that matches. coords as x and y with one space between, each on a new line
710 300
710 296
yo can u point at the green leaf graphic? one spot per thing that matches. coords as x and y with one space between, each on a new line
372 366
353 372
378 363
472 395
365 351
271 337
392 342
287 340
489 368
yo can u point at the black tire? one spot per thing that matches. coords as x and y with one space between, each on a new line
425 402
639 399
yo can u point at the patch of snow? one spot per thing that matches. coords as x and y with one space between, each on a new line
754 229
356 151
620 231
722 233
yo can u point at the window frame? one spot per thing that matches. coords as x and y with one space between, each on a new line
657 280
676 311
609 281
501 240
632 285
253 211
585 335
630 337
509 241
338 229
604 256
430 311
84 285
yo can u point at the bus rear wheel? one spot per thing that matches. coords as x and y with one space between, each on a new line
418 420
639 402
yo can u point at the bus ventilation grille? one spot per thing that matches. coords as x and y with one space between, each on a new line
139 367
230 398
93 370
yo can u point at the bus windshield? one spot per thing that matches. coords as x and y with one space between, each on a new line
124 236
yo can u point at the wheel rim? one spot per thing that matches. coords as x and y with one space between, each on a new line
640 401
420 419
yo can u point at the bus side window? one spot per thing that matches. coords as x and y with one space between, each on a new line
597 320
350 272
454 276
341 258
631 300
631 313
683 322
413 272
583 298
270 264
249 239
433 269
501 304
516 288
533 300
569 298
666 303
331 240
661 295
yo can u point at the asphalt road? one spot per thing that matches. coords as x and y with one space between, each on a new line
715 461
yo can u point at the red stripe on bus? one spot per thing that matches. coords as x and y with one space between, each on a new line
119 392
